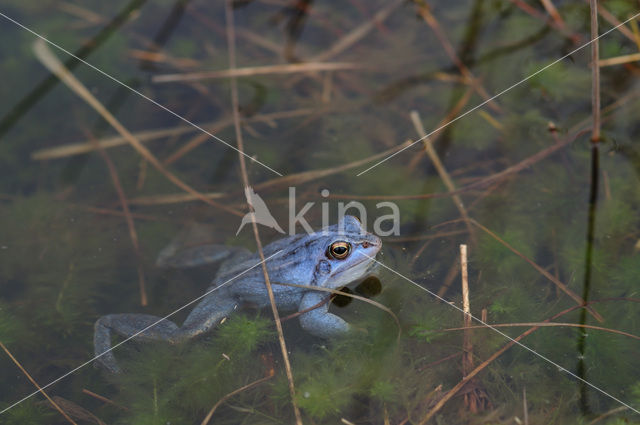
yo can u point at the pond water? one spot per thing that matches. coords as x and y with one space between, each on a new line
327 91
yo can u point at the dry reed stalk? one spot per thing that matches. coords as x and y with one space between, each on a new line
546 325
24 371
307 176
289 68
222 124
610 18
475 398
357 33
428 17
81 12
80 148
133 235
231 45
467 347
162 57
540 270
574 37
442 171
553 12
174 198
452 114
49 60
207 418
257 39
618 60
492 121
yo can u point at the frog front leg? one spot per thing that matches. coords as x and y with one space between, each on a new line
319 321
206 315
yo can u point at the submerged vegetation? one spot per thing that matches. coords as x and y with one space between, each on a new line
521 164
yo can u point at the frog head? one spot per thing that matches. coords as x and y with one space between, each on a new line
344 253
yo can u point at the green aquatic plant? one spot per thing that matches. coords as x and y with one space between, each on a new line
162 381
30 412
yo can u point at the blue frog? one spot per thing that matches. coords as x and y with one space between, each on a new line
330 258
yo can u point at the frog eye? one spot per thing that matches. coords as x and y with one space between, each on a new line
339 250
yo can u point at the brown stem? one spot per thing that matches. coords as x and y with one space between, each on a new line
245 179
595 73
17 363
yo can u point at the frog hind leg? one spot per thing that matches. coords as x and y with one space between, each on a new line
206 315
319 321
128 326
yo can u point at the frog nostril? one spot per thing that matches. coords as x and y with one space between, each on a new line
366 244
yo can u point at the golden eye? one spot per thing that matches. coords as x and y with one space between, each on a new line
340 250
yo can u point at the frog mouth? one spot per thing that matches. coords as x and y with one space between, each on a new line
359 268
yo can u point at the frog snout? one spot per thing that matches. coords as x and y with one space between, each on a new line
373 243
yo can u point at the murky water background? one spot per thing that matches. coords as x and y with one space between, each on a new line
521 164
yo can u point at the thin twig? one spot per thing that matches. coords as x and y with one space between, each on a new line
207 418
442 172
49 60
454 112
17 363
223 123
553 12
290 68
71 149
619 60
428 17
245 179
103 399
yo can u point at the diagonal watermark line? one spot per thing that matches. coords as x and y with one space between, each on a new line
560 368
498 94
138 333
196 126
